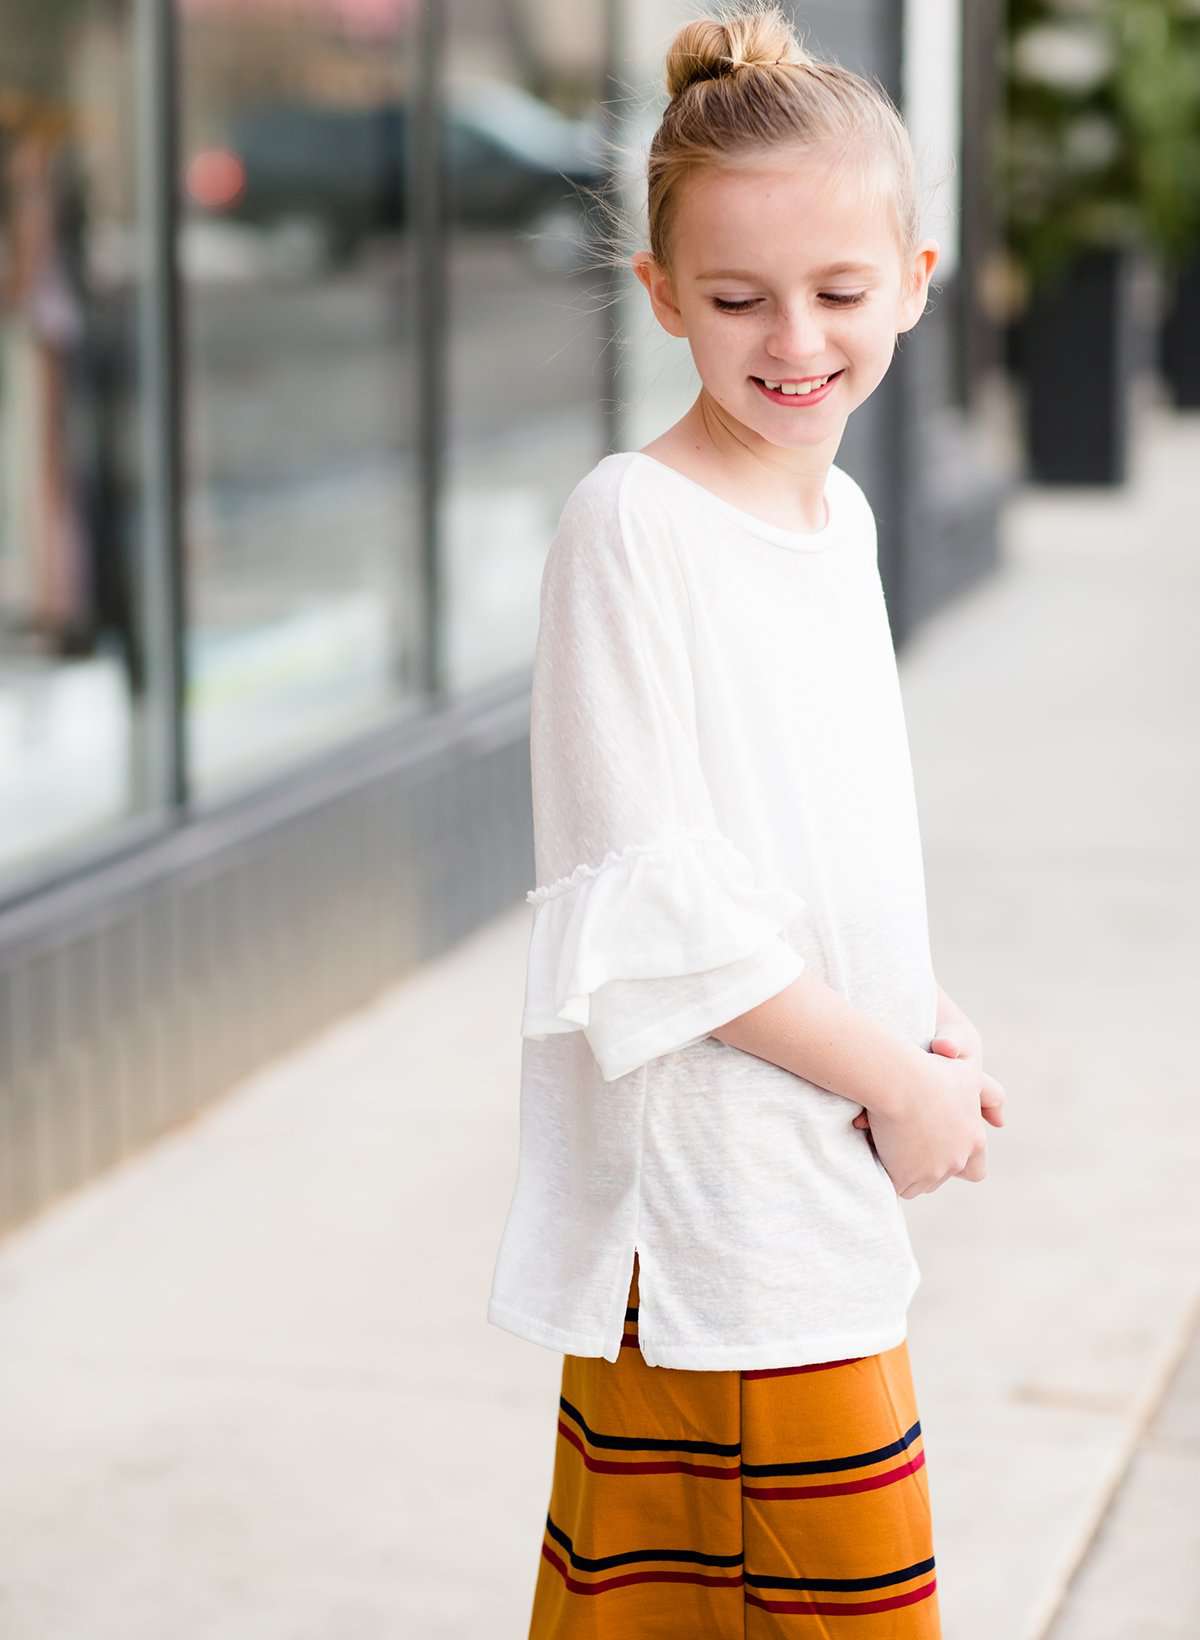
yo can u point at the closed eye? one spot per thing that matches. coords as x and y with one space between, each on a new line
835 298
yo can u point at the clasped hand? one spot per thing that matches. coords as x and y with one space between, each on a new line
941 1135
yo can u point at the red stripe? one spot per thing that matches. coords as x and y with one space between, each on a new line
814 1608
576 1587
833 1489
829 1608
669 1466
815 1366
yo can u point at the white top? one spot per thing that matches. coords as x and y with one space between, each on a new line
722 795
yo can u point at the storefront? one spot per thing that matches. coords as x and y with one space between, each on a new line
301 348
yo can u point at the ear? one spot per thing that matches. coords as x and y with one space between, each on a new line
912 304
658 287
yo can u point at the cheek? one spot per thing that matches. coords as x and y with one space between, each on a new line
721 355
723 339
869 340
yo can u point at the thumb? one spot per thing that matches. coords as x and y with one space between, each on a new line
945 1042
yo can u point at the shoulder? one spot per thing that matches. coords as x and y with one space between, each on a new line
849 493
615 497
605 479
849 487
613 529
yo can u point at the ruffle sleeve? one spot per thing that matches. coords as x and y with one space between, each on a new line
655 947
651 926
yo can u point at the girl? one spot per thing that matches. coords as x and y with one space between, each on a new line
736 1057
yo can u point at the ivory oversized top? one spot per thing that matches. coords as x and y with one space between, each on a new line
722 796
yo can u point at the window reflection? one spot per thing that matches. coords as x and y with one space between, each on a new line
301 521
72 660
302 558
526 315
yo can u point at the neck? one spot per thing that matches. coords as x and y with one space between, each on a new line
794 478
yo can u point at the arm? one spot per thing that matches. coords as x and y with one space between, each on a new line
813 1031
948 1011
956 1033
650 925
952 1020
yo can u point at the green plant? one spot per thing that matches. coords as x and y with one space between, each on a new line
1100 141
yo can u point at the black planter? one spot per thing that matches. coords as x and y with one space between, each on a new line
1077 353
1179 341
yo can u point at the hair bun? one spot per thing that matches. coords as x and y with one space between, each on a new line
711 48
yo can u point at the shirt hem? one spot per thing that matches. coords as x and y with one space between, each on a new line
781 1353
562 1339
705 1357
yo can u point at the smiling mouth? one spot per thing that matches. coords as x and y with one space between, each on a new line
799 384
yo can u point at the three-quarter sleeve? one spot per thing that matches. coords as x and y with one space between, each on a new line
651 927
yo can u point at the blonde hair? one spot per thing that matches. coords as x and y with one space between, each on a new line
741 83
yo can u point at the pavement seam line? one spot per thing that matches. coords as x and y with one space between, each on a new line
1146 1406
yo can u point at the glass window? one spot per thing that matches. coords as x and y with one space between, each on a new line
659 380
526 316
302 541
74 675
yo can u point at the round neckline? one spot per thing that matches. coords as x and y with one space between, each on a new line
796 540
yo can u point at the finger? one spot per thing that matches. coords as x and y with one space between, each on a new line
992 1100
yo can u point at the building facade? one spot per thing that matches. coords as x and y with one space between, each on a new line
303 342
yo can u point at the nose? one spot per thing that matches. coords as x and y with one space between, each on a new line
798 333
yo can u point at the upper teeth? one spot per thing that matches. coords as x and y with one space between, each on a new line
797 387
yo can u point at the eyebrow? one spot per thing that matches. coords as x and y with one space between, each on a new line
821 273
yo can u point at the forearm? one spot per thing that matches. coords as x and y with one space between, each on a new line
813 1031
948 1011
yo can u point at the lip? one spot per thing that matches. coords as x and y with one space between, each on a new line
797 400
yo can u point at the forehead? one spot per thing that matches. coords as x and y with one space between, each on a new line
754 219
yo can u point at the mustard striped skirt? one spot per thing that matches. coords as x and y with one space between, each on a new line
790 1501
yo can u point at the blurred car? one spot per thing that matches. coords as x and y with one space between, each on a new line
511 161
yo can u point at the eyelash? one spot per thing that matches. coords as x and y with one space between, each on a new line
742 307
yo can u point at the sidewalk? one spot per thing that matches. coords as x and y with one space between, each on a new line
246 1386
1053 723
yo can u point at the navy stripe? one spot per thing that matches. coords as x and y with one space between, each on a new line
821 1466
647 1443
601 1563
695 1557
883 1581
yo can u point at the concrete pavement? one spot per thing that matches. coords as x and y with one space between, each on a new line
246 1386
